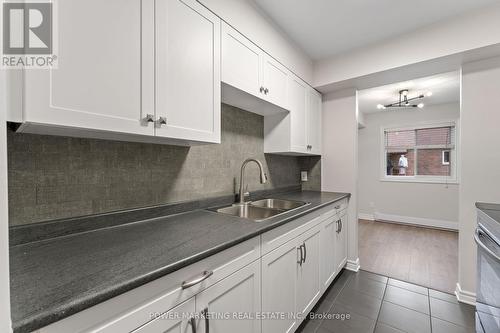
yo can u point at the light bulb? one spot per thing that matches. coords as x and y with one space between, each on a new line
429 94
380 107
421 105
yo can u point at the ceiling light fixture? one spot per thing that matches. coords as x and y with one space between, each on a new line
404 101
429 94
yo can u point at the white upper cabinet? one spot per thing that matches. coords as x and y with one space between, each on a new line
249 71
142 70
298 113
299 131
241 61
103 58
274 81
188 105
313 118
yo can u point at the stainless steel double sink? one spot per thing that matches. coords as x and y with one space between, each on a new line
261 210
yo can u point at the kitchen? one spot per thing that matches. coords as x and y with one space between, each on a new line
187 159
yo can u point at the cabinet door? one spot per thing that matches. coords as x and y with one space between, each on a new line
241 61
328 260
274 82
341 243
309 282
279 285
187 71
297 94
314 105
105 68
237 294
176 320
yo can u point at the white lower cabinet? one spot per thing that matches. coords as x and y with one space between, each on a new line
279 285
291 281
308 278
236 290
230 303
176 320
341 242
328 242
225 307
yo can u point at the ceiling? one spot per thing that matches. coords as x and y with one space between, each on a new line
445 88
323 28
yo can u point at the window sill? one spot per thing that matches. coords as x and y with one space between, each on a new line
425 180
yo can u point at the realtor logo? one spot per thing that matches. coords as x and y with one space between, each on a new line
28 31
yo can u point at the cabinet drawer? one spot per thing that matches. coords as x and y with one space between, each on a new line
279 236
130 310
175 320
340 205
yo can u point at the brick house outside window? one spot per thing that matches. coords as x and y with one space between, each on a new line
430 152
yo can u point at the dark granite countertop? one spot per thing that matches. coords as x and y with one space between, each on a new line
54 278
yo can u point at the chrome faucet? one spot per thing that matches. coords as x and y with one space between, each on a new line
263 177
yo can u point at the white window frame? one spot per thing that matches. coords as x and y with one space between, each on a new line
454 154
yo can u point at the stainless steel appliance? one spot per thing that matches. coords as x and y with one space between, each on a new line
487 237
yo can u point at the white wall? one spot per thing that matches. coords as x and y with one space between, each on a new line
480 157
339 161
5 323
251 21
473 30
436 203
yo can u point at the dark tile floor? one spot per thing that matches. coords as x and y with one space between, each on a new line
365 302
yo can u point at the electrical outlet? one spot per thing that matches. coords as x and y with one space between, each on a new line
303 176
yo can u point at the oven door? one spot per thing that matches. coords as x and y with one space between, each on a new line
488 283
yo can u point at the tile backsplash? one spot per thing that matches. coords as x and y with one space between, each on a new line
54 177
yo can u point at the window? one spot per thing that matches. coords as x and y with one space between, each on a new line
422 153
446 157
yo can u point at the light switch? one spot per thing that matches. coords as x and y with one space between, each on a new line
303 176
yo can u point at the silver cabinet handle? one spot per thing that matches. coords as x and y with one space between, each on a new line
262 89
300 260
205 275
338 226
161 121
149 118
266 91
477 238
305 251
192 321
207 320
337 207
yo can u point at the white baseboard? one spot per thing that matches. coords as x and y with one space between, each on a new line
419 221
465 296
364 216
352 265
